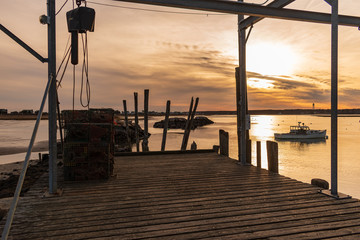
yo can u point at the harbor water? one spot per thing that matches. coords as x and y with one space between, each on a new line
299 160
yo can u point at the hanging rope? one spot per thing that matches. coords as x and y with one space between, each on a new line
85 69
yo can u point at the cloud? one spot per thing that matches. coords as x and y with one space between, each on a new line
177 72
176 57
174 73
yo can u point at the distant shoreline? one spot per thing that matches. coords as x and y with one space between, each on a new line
42 146
315 112
21 117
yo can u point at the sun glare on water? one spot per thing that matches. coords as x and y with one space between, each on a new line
271 59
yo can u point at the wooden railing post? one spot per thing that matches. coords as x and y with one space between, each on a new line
136 122
145 142
273 159
224 142
258 154
248 151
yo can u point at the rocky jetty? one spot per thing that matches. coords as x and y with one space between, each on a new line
121 137
9 176
180 123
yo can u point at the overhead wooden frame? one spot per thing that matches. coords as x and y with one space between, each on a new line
271 10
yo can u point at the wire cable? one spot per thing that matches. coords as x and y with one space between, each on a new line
61 7
63 60
264 2
62 75
66 55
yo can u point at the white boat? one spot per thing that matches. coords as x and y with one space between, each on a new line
301 131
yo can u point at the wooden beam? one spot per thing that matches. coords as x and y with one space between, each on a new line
233 7
252 20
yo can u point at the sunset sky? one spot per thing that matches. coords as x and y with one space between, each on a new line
178 56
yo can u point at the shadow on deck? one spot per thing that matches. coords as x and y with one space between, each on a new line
186 196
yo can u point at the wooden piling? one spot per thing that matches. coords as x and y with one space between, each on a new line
136 122
187 124
146 129
224 142
258 154
272 154
187 131
166 125
127 125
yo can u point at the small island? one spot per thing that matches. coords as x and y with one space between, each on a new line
180 123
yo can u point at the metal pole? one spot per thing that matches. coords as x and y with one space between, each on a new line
52 98
334 96
20 183
21 43
242 91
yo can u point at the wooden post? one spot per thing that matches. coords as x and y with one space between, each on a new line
248 151
272 152
127 125
238 112
187 131
146 130
166 125
187 124
136 122
193 146
241 94
224 142
258 154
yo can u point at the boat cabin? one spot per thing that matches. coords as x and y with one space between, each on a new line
299 128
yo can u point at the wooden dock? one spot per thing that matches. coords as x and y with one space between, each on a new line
186 196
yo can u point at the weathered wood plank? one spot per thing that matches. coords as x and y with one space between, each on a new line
185 196
181 226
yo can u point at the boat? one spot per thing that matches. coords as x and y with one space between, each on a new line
301 131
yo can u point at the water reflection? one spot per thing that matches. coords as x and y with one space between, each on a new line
262 128
303 141
300 144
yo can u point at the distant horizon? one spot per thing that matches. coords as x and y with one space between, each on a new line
175 111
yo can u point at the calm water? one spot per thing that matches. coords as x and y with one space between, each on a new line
18 134
302 161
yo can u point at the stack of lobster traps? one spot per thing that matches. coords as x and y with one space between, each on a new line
88 144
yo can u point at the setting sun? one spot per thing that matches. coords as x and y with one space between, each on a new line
271 59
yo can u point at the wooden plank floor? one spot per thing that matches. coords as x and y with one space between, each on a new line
186 196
